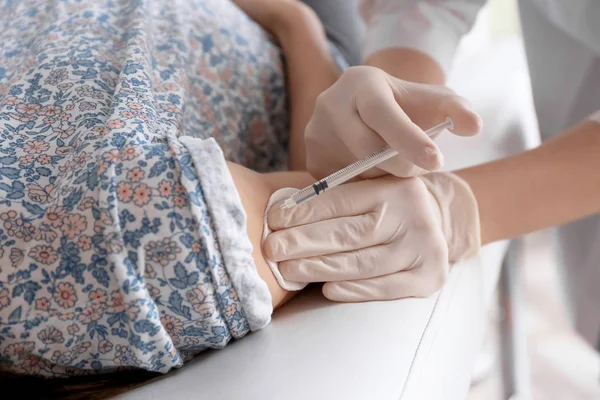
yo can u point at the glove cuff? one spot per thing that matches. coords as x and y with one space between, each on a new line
459 211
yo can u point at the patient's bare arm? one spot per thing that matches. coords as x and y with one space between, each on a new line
254 190
310 68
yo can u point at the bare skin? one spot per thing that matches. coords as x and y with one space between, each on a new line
310 70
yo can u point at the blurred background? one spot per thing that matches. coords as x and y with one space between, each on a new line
561 365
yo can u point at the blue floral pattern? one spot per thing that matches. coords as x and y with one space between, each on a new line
110 254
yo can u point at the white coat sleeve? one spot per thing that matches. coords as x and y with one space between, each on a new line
433 27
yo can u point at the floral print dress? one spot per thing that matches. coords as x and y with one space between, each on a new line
122 238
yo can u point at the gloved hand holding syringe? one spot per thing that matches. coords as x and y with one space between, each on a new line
353 170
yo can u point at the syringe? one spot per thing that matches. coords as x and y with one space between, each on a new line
353 170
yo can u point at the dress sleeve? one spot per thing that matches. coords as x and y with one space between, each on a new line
432 27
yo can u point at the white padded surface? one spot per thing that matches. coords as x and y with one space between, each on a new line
316 349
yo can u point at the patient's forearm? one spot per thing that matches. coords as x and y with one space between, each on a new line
310 70
254 190
408 64
555 183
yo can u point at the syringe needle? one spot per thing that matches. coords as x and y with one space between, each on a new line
353 170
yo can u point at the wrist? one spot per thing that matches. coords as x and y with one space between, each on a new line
293 17
408 64
459 214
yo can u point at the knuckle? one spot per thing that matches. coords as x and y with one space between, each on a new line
323 104
415 187
355 72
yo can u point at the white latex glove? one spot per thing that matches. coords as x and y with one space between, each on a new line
367 109
379 239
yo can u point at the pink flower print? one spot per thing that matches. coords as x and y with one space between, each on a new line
149 272
28 108
82 159
129 152
21 349
42 304
113 243
23 117
73 329
115 124
112 156
54 216
35 147
73 225
124 192
66 316
196 247
179 188
106 218
51 335
90 314
101 167
86 203
141 195
41 194
134 105
11 101
204 309
171 108
83 346
104 346
44 159
173 325
16 226
65 133
4 298
63 150
165 188
154 291
49 120
97 296
124 356
180 201
32 365
126 114
84 243
45 232
116 301
16 257
190 341
136 174
162 251
50 110
26 160
64 295
230 310
43 254
132 312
